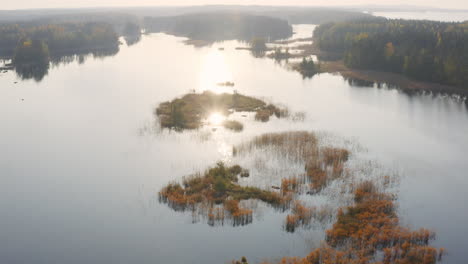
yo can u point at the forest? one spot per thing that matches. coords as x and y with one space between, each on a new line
424 50
316 15
59 38
220 26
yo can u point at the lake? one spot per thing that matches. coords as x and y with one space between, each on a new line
82 161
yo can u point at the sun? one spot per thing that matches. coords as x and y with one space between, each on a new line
216 119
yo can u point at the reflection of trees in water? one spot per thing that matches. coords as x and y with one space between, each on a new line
38 71
32 71
81 57
132 40
359 82
307 74
356 82
258 53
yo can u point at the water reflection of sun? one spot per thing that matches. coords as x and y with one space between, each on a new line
215 70
216 119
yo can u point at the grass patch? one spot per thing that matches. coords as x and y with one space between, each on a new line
218 192
322 164
233 125
263 114
366 232
189 111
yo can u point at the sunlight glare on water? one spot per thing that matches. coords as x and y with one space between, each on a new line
214 71
216 119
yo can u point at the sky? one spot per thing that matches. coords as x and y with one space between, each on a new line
28 4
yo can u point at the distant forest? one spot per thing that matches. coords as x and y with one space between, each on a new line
424 50
59 38
220 26
316 15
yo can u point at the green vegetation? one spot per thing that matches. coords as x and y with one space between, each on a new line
31 59
424 50
218 186
308 68
258 47
191 110
367 232
132 33
131 29
219 26
268 111
31 52
310 15
242 261
61 38
258 44
279 54
216 194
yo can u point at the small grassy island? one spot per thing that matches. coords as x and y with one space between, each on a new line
308 68
218 191
369 232
190 111
217 196
233 125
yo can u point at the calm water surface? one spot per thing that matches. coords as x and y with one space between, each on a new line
81 162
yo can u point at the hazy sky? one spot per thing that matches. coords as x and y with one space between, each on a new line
21 4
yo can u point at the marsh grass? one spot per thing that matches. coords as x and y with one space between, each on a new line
363 227
322 164
233 125
189 111
264 114
216 195
367 231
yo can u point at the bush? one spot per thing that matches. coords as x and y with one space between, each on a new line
233 125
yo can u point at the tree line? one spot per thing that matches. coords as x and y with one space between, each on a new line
220 26
424 50
59 38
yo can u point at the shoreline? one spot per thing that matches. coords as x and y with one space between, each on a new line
401 81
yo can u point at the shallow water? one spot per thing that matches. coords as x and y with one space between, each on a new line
81 162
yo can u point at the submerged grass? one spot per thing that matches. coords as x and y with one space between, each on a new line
322 164
189 111
367 232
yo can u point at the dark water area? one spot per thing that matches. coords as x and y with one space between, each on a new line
82 159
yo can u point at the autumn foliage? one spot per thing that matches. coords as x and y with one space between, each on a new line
369 232
217 195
